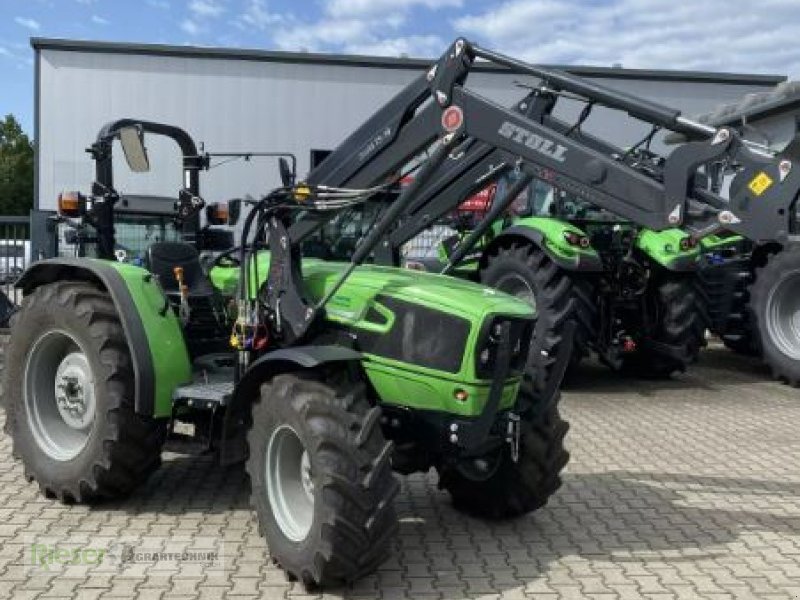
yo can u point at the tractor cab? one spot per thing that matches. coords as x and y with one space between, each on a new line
176 238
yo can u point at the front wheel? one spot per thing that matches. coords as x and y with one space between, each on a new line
321 479
775 308
513 488
70 386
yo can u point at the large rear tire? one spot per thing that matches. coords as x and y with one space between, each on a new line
524 270
70 385
321 478
513 488
775 310
678 320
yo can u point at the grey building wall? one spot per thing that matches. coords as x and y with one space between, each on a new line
268 101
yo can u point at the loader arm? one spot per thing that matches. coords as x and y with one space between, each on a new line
437 114
492 139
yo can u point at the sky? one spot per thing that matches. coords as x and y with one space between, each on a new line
717 35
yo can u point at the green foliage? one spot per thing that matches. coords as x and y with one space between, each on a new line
16 169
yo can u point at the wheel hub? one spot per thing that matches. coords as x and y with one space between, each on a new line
305 476
73 391
59 395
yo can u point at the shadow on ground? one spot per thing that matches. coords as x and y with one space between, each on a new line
620 516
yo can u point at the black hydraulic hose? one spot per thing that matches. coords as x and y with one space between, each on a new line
257 210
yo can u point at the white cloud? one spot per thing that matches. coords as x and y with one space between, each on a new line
98 20
161 4
191 27
367 27
673 35
257 16
412 45
360 8
29 23
5 51
206 8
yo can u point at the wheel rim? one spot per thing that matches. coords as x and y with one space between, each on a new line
783 315
290 484
517 286
59 395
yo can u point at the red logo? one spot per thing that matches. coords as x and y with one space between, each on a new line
452 118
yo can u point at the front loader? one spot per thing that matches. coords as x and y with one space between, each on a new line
670 201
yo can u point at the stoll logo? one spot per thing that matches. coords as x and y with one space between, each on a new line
531 140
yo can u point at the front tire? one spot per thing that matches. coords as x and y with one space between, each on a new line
321 478
775 310
525 271
70 396
516 488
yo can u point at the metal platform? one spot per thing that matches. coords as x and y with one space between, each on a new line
214 388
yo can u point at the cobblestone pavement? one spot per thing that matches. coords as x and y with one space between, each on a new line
688 488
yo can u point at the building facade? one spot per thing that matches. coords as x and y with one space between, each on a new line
262 101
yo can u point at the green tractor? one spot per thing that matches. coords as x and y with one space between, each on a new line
632 291
324 377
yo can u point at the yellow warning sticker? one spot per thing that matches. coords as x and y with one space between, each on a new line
760 183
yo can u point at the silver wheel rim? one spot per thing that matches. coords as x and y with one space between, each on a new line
783 315
517 286
59 395
290 484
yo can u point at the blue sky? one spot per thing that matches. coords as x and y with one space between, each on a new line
680 34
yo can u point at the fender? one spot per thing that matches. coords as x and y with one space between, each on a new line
663 248
155 339
566 257
233 442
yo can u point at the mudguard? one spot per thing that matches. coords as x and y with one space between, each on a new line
663 247
548 234
155 338
233 445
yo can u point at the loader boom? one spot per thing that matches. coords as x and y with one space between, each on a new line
490 139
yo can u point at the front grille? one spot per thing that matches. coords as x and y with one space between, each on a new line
419 335
521 333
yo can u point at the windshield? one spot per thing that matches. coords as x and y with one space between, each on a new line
134 234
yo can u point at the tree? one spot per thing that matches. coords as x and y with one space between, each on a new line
16 168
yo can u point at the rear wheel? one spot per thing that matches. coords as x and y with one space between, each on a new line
775 308
70 396
321 478
508 488
525 271
677 320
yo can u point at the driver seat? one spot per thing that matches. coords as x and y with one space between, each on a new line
163 257
206 330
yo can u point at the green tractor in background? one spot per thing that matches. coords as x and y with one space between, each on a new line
631 291
324 377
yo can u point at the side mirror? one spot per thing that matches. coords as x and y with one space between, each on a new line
287 175
132 141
